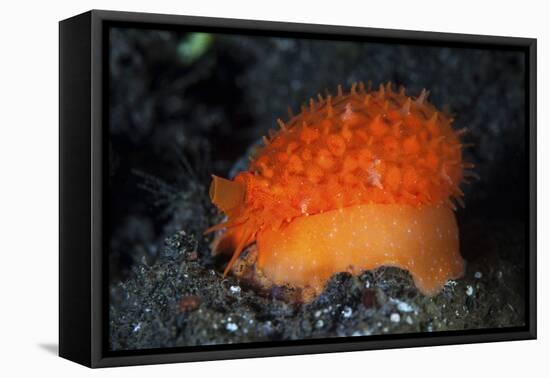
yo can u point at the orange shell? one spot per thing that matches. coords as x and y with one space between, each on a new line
340 154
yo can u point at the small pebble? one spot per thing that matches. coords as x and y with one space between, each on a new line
405 307
347 312
450 284
189 303
395 317
192 256
231 327
368 298
235 289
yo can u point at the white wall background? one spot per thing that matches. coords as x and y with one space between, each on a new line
29 186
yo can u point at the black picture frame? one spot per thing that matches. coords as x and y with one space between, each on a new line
83 299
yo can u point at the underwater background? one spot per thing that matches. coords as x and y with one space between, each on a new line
184 106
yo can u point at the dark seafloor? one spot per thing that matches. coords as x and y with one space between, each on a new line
184 106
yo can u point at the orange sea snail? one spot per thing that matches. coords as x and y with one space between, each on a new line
356 181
